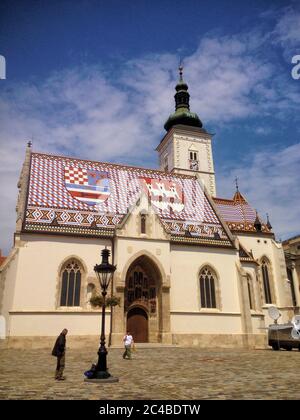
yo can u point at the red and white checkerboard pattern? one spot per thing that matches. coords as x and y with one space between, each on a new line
49 174
76 176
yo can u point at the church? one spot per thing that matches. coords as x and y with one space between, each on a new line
193 269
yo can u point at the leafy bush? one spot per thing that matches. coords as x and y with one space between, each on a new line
97 301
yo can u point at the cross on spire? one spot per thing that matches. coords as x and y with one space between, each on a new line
236 184
180 68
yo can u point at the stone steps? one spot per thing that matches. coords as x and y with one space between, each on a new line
145 345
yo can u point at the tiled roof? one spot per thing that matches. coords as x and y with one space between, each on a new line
81 197
238 214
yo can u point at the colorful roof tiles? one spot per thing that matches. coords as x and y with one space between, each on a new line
238 214
82 197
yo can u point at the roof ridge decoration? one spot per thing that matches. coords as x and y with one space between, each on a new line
90 198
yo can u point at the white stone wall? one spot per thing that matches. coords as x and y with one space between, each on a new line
31 292
8 275
267 247
33 301
187 316
205 323
24 324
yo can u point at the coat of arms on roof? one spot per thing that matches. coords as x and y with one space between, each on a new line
164 194
88 186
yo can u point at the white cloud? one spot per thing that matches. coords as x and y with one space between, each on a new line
262 130
287 29
270 182
89 113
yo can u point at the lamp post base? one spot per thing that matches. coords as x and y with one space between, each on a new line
100 376
108 380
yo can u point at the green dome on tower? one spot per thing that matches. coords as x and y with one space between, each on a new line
182 114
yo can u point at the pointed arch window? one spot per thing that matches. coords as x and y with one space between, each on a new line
143 223
208 288
70 284
266 281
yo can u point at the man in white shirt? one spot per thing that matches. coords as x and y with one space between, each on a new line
128 342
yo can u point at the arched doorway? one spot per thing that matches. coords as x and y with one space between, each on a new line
142 300
137 324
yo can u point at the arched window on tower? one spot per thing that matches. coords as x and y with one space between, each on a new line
208 297
70 284
266 281
193 160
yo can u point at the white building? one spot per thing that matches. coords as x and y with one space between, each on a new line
192 269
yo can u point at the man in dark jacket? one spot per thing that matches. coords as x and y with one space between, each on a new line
58 351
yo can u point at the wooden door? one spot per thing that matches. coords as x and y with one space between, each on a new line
137 324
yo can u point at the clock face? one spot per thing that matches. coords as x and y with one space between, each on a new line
194 166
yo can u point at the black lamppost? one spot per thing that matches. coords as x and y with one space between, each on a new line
105 272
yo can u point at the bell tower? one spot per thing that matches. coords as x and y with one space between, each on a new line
186 147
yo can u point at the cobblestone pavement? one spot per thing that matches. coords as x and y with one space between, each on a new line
154 373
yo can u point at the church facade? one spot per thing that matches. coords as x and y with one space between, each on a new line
192 269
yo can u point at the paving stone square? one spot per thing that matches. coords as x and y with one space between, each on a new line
154 373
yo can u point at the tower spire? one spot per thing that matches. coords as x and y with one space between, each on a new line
182 114
269 226
236 184
238 197
257 223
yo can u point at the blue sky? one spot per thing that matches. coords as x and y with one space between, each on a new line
95 79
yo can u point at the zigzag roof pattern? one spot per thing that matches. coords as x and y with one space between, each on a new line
238 214
83 197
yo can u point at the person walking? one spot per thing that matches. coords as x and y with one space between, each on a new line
59 351
128 342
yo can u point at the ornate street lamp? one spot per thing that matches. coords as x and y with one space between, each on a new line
104 272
